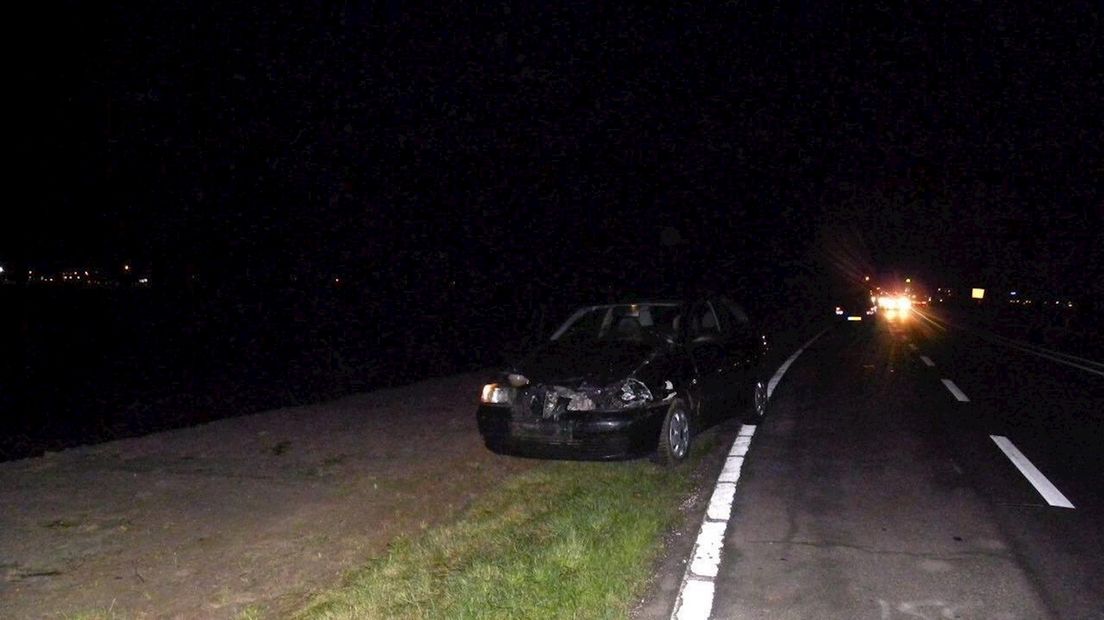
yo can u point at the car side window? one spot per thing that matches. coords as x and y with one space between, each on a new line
703 323
734 316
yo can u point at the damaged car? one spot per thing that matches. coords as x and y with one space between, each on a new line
628 379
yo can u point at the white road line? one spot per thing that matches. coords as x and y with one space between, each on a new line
959 395
1055 358
927 361
695 597
773 383
1096 368
1038 349
720 505
1049 492
913 347
697 600
934 324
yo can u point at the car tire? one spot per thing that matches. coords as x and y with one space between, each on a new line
675 436
759 401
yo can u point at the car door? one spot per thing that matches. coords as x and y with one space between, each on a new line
708 349
743 350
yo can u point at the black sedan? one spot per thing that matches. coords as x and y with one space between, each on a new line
628 379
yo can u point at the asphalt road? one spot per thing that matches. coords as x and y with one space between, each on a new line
875 489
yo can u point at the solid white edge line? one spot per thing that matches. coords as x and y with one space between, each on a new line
695 596
959 395
927 361
773 383
1038 349
1045 488
930 320
1051 357
1054 356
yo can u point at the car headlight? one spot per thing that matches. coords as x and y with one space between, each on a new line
633 392
495 394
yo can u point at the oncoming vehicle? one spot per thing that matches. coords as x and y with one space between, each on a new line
628 379
855 307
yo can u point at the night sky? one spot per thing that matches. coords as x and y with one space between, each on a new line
434 147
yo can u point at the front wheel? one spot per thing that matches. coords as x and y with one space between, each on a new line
674 436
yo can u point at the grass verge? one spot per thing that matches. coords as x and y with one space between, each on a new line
566 540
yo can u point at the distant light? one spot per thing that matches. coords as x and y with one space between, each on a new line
854 318
337 280
126 267
866 279
896 314
1013 293
839 311
908 280
1 269
977 293
898 302
143 280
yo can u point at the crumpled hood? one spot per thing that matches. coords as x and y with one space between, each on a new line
597 364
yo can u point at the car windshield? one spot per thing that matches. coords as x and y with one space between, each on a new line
629 322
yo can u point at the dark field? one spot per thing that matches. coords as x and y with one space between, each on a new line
82 366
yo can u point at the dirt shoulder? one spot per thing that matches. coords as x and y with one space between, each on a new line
252 511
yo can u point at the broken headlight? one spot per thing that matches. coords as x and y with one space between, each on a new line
633 392
580 401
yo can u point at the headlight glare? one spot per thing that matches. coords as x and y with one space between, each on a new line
495 394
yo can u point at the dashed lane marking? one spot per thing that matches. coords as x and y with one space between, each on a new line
927 361
959 395
1045 488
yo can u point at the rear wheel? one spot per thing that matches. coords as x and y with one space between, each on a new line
758 402
674 436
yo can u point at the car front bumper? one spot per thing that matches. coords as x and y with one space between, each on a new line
584 435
